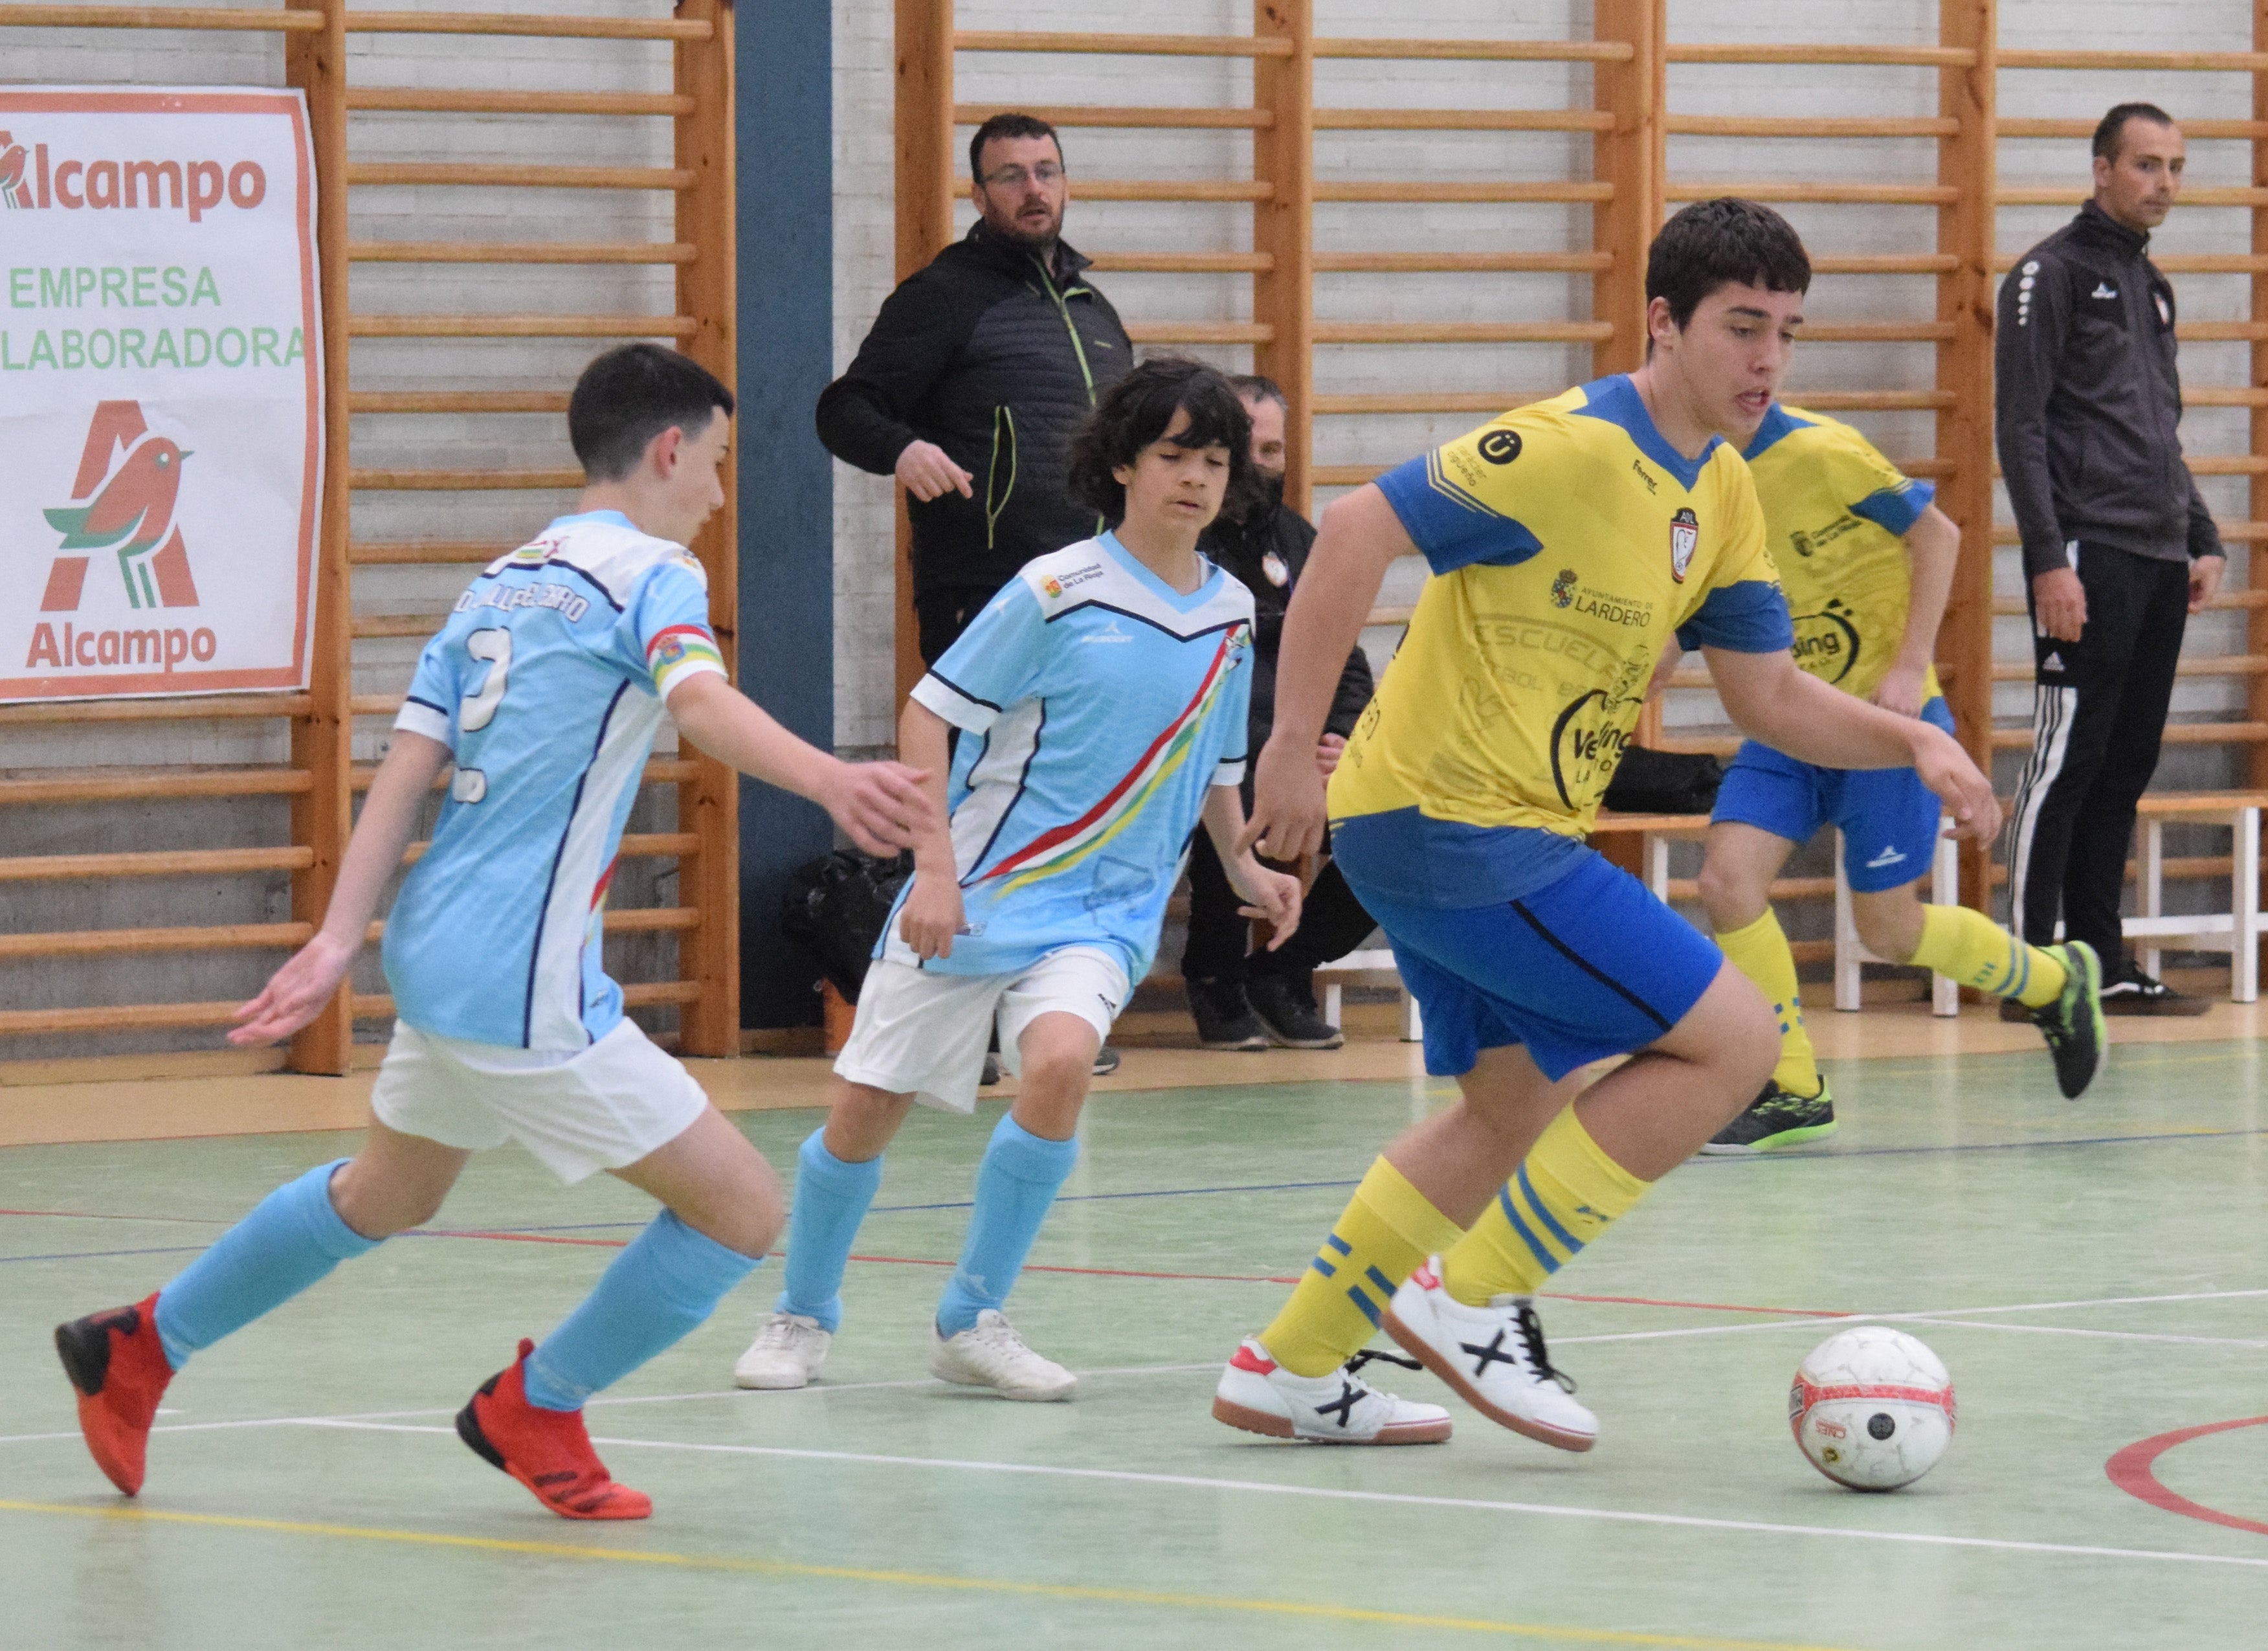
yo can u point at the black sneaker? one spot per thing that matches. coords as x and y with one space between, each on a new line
2133 993
1106 1062
1224 1020
2073 1024
1777 1118
990 1075
1285 1005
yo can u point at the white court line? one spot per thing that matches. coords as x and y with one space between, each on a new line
2103 1335
1261 1488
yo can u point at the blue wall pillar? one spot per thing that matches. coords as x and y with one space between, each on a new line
784 72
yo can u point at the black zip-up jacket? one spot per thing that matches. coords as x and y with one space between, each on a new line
995 358
1266 550
2087 399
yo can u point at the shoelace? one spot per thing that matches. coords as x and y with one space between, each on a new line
779 1332
1531 1332
1377 1355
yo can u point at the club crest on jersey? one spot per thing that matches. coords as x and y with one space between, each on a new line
1685 540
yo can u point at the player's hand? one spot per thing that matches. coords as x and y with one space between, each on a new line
883 805
2204 580
1329 749
1900 690
1287 803
925 472
932 915
2060 603
1945 768
1274 895
295 994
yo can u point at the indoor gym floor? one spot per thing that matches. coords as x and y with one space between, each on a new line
2094 1274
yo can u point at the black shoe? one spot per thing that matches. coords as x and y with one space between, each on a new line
1285 1005
1106 1062
990 1075
2073 1024
1777 1118
1224 1020
2131 992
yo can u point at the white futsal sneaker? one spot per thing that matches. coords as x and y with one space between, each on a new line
1261 1396
990 1355
1494 1356
789 1352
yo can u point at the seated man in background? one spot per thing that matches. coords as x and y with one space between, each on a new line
1242 1002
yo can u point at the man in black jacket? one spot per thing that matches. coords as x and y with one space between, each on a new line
1242 1002
976 372
2118 547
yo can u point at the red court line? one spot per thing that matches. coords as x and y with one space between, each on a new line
2134 1470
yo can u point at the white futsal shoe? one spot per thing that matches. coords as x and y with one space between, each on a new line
992 1355
789 1352
1494 1356
1261 1396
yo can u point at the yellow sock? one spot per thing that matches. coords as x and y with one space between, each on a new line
1971 948
1760 952
1387 1229
1560 1199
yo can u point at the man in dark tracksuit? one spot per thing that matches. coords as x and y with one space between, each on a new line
970 383
1242 1002
2118 547
977 370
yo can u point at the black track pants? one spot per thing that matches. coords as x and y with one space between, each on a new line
2098 712
1332 923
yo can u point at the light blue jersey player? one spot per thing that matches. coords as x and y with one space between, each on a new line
548 685
1099 704
545 688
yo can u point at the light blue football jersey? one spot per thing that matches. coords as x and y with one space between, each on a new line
548 683
1097 706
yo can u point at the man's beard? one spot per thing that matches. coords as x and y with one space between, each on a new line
1271 490
1038 241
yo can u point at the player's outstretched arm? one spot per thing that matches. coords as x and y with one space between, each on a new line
933 913
1770 700
1266 894
1933 545
883 805
1360 537
297 992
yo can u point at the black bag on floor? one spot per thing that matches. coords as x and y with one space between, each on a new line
837 904
1664 782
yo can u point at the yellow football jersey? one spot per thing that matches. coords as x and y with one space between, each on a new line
1567 540
1835 515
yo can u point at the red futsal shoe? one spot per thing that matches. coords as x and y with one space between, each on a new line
548 1451
118 1365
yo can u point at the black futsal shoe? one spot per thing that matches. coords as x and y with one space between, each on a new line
2073 1024
1777 1118
1224 1020
1285 1007
1107 1061
2131 992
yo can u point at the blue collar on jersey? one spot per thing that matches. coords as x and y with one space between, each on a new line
1134 564
614 518
1616 401
1778 422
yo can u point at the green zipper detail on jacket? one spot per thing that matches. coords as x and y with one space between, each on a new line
1078 347
993 512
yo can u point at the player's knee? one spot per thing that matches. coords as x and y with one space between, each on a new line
380 1209
1888 931
746 1216
1746 1045
1730 896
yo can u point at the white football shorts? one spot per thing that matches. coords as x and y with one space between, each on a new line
580 1111
924 1033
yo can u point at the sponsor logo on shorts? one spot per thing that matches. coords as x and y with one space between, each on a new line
1889 856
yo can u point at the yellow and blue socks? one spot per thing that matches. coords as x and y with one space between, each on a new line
660 1289
1760 951
1969 947
1016 1185
1387 1229
830 1200
292 1238
1559 1199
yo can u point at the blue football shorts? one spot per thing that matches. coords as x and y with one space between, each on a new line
1890 818
1589 966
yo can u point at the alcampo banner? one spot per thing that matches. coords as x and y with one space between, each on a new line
161 405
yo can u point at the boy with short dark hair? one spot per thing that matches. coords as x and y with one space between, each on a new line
545 689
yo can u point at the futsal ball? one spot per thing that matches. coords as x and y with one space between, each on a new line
1871 1408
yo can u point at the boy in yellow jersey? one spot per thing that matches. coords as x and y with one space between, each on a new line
1567 541
1867 561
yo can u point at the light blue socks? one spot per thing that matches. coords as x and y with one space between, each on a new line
1016 1184
292 1238
660 1289
830 1200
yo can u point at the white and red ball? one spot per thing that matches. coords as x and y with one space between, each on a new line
1871 1408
